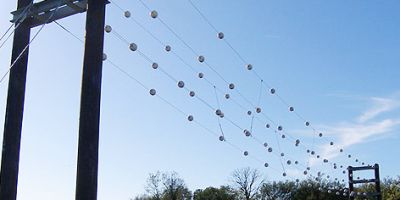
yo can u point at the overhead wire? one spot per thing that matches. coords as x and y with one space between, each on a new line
150 32
120 69
124 40
29 43
245 62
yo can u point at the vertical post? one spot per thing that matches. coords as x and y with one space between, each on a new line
377 183
351 185
87 167
14 111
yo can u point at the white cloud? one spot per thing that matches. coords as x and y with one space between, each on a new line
364 129
381 105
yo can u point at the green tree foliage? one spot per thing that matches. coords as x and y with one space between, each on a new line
211 193
277 190
390 188
165 186
249 185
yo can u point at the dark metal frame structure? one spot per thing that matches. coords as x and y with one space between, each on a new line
377 194
36 14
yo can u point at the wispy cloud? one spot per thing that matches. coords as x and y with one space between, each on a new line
365 127
381 105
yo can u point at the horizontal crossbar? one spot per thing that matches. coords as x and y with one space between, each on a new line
48 11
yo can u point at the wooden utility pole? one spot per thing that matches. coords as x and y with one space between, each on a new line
15 110
41 13
377 194
89 122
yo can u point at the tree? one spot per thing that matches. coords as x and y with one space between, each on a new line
211 193
278 190
248 182
153 186
174 187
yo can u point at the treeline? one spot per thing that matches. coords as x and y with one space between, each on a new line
249 184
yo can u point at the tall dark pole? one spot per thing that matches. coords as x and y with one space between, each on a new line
88 147
377 183
14 111
351 184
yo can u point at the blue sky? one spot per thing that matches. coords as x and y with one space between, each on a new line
336 62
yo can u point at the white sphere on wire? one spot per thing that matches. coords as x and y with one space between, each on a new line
152 92
249 66
168 48
247 133
181 84
154 65
309 185
191 93
231 86
127 14
201 75
201 59
133 46
329 191
154 14
245 153
104 56
227 96
337 193
190 118
108 28
221 138
221 35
